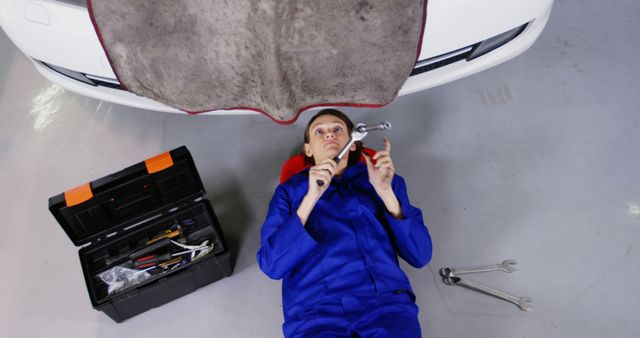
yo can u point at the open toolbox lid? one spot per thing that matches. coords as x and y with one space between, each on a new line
92 211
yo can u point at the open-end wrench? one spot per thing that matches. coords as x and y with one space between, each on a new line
507 266
359 132
521 302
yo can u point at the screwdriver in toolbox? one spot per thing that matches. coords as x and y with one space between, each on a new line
151 260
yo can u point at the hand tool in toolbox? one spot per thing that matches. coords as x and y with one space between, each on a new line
450 276
358 134
167 234
137 270
156 259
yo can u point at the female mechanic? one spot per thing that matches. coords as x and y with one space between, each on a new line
336 246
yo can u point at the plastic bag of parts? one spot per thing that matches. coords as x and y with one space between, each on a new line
119 278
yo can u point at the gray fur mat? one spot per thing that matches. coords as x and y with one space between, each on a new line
279 57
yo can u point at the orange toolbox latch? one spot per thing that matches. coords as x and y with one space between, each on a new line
78 195
159 163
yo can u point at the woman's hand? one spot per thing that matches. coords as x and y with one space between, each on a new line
381 174
380 177
321 172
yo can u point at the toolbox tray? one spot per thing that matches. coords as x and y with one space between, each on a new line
117 214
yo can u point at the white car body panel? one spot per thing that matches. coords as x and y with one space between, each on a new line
62 34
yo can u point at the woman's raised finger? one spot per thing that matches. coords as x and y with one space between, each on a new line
380 154
384 162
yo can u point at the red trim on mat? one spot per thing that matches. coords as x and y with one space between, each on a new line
285 122
295 118
424 24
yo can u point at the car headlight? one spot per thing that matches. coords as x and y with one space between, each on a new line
492 43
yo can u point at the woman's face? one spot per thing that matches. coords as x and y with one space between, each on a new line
328 134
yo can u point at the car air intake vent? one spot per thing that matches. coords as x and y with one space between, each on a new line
89 79
469 53
104 81
441 61
81 3
107 84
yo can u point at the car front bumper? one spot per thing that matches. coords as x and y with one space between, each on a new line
61 35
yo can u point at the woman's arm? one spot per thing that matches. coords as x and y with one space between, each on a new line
322 172
284 240
411 235
380 176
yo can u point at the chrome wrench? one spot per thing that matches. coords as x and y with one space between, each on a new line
521 302
507 266
359 132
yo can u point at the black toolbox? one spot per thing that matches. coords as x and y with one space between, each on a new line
143 223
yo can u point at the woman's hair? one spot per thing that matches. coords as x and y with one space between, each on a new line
354 156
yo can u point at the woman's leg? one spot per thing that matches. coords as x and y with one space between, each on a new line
395 319
327 321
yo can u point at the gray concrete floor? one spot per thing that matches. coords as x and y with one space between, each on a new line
537 160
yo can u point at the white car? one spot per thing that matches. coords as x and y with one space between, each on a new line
461 37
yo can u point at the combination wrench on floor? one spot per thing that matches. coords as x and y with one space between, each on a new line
450 277
506 266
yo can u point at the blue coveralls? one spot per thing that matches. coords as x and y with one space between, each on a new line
340 271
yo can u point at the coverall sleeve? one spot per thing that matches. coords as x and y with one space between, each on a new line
410 233
284 240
